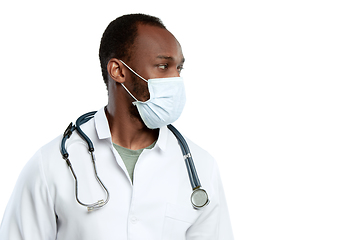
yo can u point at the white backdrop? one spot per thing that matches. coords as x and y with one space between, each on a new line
272 88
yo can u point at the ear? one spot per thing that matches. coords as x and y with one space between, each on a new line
116 70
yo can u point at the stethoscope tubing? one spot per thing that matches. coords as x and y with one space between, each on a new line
81 120
193 177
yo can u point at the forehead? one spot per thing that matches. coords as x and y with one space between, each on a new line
152 41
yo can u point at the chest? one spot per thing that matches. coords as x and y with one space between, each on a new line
155 206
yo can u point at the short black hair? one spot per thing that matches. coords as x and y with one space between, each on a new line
119 36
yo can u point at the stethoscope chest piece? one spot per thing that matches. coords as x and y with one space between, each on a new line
199 198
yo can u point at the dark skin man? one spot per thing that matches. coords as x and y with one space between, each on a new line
148 187
155 54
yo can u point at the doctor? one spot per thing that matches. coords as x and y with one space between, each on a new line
137 158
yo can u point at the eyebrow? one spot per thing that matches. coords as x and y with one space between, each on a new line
169 58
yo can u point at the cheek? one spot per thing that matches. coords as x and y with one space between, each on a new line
140 89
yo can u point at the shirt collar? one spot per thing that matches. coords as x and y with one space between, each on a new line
103 129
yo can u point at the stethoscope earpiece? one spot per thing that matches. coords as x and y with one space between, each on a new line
69 130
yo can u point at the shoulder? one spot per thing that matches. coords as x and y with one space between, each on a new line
204 162
50 157
198 153
196 150
39 165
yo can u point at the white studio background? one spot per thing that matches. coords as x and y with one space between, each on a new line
272 93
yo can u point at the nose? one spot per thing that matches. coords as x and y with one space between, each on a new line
177 73
173 73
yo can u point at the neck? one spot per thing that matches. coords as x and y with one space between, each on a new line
126 129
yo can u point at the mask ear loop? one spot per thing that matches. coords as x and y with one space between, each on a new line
130 93
136 75
133 71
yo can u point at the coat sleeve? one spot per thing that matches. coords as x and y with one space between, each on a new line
214 223
30 213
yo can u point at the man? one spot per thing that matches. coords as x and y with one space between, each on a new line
138 159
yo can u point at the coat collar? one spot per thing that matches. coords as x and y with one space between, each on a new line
103 129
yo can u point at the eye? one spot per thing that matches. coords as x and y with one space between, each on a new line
163 66
180 68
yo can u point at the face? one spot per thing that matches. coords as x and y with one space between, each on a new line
155 54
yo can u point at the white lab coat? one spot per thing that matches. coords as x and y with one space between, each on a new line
156 206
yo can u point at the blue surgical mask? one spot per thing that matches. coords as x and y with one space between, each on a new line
166 103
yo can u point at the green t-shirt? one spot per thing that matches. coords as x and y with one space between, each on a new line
130 157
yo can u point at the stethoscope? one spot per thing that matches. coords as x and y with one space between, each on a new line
199 197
